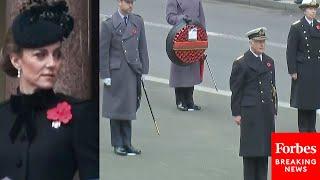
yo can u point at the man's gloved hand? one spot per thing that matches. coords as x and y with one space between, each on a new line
187 19
107 81
143 77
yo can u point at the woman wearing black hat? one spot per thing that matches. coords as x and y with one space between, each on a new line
43 135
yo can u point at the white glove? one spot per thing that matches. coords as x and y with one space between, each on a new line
107 81
143 77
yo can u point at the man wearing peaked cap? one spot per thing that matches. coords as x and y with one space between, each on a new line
308 4
253 104
303 60
123 60
257 34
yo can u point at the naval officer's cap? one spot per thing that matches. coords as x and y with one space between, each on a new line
309 4
257 34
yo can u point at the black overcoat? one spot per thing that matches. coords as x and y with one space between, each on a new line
303 58
251 83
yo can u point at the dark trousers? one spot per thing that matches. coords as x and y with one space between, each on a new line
184 96
120 132
307 120
255 168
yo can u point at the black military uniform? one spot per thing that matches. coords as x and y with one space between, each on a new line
303 58
252 83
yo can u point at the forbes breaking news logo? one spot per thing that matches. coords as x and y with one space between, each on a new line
295 165
295 156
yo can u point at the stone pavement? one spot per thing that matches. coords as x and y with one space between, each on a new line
199 145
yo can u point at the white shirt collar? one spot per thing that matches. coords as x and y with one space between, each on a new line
256 55
308 20
121 15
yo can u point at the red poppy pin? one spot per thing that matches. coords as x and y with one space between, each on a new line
318 26
60 114
269 65
134 31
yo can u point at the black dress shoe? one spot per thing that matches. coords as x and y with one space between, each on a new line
119 150
182 107
131 151
194 108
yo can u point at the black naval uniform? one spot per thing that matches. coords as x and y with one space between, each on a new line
303 58
31 149
252 82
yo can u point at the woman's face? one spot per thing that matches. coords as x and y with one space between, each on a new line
39 67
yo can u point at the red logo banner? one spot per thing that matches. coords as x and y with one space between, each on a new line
295 156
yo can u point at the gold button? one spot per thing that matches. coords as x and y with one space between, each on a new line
306 38
304 31
308 57
262 101
261 92
308 51
125 51
260 82
307 44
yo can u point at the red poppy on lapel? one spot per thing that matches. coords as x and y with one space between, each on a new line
269 65
60 113
134 31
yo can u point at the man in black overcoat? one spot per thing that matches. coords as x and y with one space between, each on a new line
253 104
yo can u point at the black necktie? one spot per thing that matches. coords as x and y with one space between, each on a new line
125 20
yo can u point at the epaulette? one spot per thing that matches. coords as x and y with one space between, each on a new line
296 22
137 15
103 17
238 58
107 19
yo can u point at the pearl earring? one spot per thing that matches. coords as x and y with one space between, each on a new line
19 73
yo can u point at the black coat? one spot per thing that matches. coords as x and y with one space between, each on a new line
303 58
31 149
251 83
